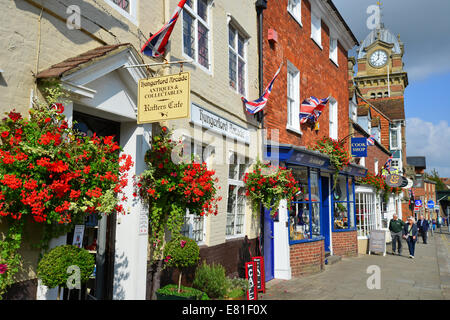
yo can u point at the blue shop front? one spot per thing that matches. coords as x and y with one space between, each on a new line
321 219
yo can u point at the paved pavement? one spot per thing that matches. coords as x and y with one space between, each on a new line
427 277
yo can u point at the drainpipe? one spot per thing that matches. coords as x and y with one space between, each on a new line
260 6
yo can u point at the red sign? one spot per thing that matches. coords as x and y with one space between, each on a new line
260 275
250 275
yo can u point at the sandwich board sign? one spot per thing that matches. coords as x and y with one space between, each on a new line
377 242
250 275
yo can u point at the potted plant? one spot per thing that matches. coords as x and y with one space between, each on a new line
181 253
53 269
236 289
212 280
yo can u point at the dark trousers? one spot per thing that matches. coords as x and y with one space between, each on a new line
396 239
424 236
411 245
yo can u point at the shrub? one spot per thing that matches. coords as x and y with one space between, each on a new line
236 287
52 269
185 292
211 279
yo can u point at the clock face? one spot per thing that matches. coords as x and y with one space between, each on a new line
378 58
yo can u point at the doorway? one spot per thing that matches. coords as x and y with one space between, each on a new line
325 218
269 270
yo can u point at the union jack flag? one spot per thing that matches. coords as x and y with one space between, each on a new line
255 106
311 109
371 140
156 45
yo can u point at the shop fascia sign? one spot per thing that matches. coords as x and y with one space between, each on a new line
211 121
164 98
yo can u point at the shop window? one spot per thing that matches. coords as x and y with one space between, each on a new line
237 60
366 216
343 204
196 31
236 195
304 216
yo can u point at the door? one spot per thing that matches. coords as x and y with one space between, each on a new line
268 246
325 217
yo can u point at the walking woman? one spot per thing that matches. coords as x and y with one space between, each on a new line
410 233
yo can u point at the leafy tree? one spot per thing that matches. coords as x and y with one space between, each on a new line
434 176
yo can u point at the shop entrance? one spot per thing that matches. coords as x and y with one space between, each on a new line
99 234
268 246
325 218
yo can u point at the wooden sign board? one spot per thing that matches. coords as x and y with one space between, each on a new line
250 275
377 241
164 98
260 275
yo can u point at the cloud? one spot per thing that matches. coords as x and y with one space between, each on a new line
423 27
424 138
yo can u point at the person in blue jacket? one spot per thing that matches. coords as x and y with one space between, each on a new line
410 233
423 226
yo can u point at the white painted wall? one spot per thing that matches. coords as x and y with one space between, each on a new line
282 263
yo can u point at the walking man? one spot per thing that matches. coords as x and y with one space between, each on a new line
423 225
410 234
396 226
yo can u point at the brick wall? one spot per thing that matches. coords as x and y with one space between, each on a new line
319 76
345 244
307 258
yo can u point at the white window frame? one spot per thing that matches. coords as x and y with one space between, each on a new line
366 205
132 16
238 184
333 119
235 50
334 50
395 127
196 20
293 99
316 28
294 8
375 166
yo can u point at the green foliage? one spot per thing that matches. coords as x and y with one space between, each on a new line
52 269
185 292
183 252
268 185
236 287
211 279
434 176
9 256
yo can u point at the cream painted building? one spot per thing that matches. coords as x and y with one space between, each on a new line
92 48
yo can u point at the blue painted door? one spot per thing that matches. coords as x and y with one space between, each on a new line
268 246
325 214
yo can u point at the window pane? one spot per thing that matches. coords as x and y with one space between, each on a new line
242 168
301 175
203 58
190 3
123 4
202 9
232 69
231 210
241 46
315 215
241 76
314 179
340 215
240 211
232 37
299 222
233 167
188 35
340 192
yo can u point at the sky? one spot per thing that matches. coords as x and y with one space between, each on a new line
424 28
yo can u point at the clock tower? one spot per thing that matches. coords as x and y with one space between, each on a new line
380 65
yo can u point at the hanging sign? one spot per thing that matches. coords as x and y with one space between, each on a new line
394 180
78 235
418 203
250 275
260 275
164 98
359 147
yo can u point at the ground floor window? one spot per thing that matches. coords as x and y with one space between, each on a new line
344 204
194 227
366 215
304 216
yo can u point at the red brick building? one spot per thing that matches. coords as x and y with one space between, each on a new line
312 41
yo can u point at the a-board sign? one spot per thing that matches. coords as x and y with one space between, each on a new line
260 275
250 275
377 241
164 98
